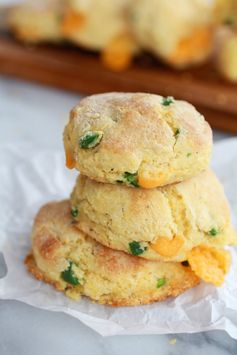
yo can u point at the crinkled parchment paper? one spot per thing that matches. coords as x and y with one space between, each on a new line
30 177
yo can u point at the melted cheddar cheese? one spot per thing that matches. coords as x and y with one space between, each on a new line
150 183
72 22
166 247
70 162
118 53
209 264
189 48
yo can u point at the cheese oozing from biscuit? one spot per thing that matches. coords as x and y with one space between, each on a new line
210 264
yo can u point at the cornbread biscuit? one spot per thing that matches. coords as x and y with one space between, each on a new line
138 139
180 32
36 21
160 224
78 265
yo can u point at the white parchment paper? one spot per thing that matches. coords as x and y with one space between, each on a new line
30 177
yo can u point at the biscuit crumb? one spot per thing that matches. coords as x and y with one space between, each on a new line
173 341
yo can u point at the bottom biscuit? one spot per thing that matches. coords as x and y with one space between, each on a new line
76 264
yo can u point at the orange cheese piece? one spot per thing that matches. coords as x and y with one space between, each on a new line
70 162
209 264
118 54
190 48
150 183
72 22
166 247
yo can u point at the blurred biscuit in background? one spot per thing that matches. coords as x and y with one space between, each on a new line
180 32
35 22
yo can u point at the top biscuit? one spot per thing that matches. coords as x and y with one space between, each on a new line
141 140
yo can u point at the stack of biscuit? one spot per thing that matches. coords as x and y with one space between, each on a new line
147 219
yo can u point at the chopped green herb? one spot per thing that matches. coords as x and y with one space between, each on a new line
189 155
90 139
167 101
161 282
68 275
177 133
131 178
213 232
136 248
74 212
185 263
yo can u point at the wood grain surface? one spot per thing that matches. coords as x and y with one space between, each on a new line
81 71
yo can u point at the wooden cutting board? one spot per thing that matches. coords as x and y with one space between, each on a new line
81 71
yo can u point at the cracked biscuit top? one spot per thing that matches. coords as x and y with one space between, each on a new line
137 139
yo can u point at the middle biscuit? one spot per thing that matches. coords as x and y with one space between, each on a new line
162 224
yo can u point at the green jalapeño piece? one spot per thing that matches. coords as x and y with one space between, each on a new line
74 212
213 232
90 139
69 276
131 179
161 282
136 248
167 101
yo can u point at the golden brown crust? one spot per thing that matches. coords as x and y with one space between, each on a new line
46 244
39 275
175 288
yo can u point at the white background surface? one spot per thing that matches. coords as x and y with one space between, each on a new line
36 114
